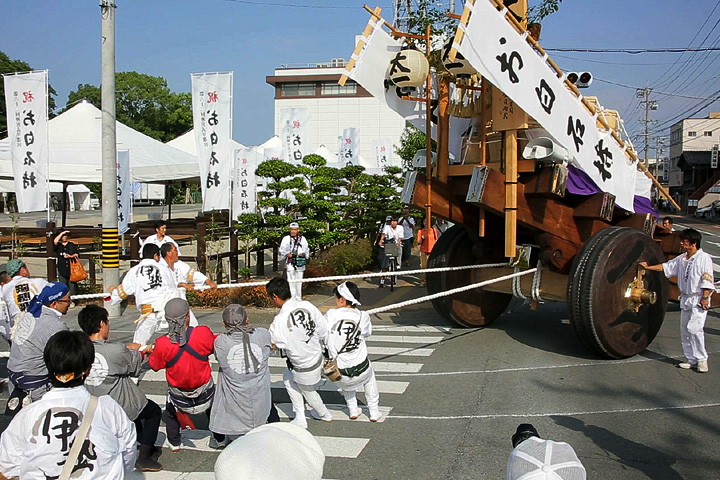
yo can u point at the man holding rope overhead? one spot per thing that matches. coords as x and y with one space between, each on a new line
299 329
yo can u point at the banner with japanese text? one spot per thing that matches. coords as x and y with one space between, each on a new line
124 189
295 134
27 118
348 152
502 56
244 200
381 53
383 149
212 120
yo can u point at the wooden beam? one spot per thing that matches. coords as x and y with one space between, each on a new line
443 130
557 252
511 192
599 206
553 286
550 181
645 222
448 200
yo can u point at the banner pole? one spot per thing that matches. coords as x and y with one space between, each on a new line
47 143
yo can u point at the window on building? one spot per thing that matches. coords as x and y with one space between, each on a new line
707 134
692 134
297 89
332 88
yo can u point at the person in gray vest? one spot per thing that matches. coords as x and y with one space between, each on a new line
111 373
242 400
26 365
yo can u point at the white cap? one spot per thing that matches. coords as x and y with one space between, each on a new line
538 459
274 450
294 225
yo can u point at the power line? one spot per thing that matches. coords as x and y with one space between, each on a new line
293 5
635 51
620 63
658 92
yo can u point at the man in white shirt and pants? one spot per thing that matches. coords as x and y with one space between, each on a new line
294 248
298 329
694 271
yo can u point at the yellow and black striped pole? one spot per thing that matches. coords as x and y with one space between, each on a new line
110 248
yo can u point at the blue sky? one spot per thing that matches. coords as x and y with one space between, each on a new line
175 38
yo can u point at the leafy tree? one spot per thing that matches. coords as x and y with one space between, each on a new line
283 176
542 9
144 103
7 65
411 141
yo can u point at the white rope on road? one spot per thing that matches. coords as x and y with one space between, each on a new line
324 279
449 292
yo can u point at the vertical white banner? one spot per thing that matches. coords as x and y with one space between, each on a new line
246 161
295 134
212 120
123 190
383 149
349 149
27 118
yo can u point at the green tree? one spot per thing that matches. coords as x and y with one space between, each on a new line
411 141
144 103
542 9
7 65
284 177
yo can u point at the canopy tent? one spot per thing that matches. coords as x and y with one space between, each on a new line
187 143
75 139
79 195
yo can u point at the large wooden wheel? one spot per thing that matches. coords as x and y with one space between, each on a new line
474 308
597 288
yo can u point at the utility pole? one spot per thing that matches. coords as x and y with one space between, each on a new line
110 245
644 93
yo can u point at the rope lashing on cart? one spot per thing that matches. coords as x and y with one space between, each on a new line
325 279
453 291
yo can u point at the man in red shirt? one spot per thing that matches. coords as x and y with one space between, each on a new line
183 353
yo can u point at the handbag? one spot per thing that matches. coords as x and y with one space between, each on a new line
330 368
79 439
77 272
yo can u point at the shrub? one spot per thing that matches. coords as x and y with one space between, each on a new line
342 259
245 296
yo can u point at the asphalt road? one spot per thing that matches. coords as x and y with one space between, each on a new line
453 397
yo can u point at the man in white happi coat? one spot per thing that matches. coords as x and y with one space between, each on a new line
294 248
153 286
159 238
17 293
694 271
186 277
299 330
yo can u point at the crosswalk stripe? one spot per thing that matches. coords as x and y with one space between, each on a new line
384 386
341 447
403 339
167 475
402 351
409 328
393 367
285 410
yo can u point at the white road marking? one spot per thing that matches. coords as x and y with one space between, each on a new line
704 232
398 367
408 352
166 475
339 412
557 414
409 328
403 339
340 447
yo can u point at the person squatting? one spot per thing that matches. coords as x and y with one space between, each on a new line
61 379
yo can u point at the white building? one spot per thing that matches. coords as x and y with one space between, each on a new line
333 108
691 135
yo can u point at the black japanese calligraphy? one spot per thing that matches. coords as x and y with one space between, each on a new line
213 158
577 130
213 138
22 296
29 181
302 319
28 160
508 64
213 119
213 180
546 96
152 274
29 118
351 331
397 67
604 161
29 138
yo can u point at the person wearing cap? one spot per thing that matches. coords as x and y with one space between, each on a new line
275 450
111 374
38 441
348 328
159 238
533 458
408 225
26 367
18 292
299 329
153 285
184 354
391 234
294 248
66 251
186 278
242 400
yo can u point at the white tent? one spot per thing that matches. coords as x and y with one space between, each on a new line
79 195
187 143
325 152
75 139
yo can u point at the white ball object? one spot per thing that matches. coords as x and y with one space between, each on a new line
409 68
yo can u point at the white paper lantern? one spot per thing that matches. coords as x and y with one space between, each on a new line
461 68
409 68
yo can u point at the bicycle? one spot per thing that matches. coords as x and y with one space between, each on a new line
393 253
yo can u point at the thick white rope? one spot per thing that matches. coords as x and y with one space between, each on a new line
324 279
449 292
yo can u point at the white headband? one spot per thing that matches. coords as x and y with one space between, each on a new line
344 292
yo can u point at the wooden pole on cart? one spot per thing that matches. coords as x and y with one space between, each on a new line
428 134
443 166
483 143
510 149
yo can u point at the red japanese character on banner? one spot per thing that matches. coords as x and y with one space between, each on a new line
296 124
382 149
212 97
28 97
348 141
